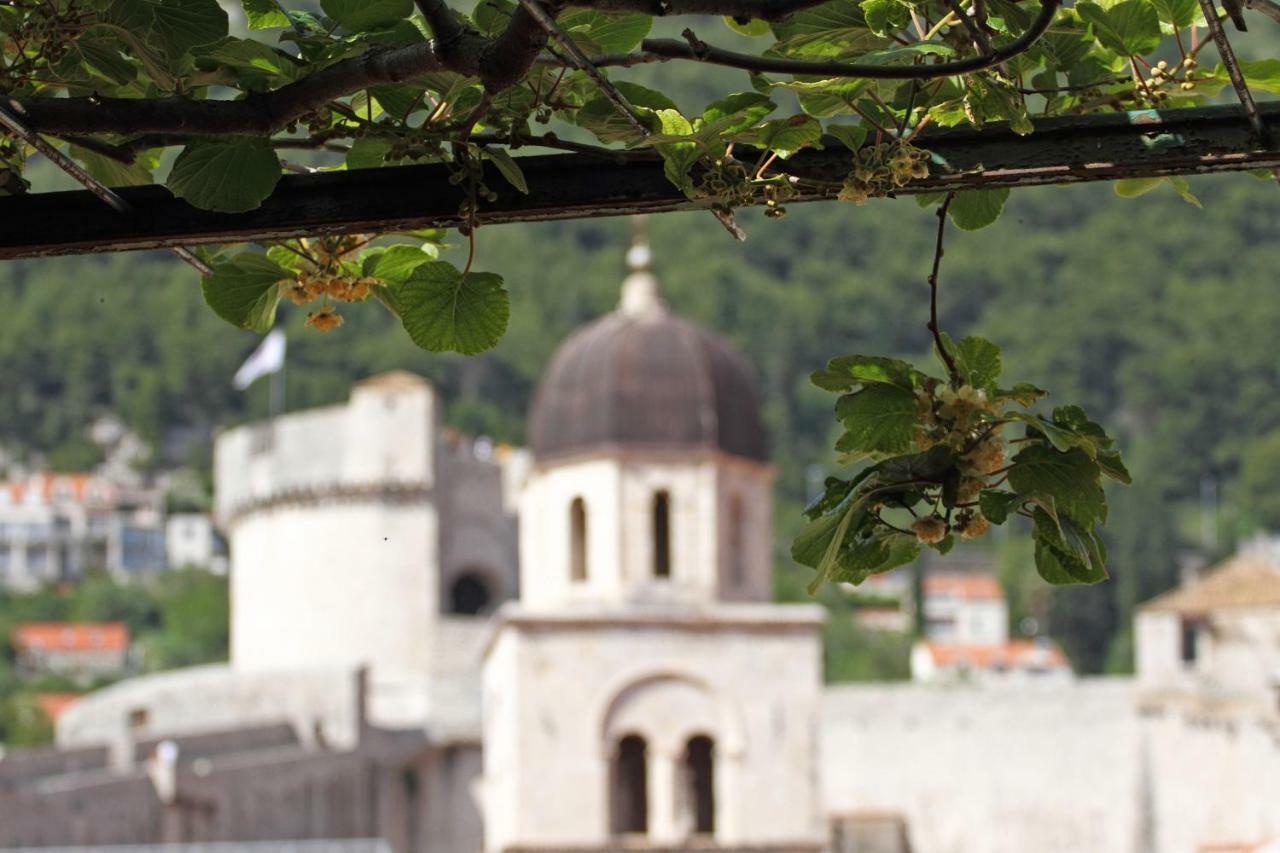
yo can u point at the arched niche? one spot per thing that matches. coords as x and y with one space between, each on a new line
471 592
668 707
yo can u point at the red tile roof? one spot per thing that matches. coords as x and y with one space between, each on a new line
969 587
47 488
1015 654
71 636
53 704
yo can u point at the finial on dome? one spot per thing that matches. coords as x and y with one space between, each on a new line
640 294
639 256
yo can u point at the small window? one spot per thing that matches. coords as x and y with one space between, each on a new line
138 718
699 770
629 795
1190 640
662 534
578 540
737 545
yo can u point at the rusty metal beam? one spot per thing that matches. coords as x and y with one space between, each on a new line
565 186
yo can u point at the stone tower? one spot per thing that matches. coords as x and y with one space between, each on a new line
355 528
643 689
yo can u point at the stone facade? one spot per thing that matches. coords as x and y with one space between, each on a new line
719 515
562 692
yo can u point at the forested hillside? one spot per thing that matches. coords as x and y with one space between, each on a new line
1158 317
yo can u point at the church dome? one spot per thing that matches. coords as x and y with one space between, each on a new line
642 377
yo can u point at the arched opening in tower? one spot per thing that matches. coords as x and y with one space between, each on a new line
699 775
629 797
737 545
469 594
662 534
578 540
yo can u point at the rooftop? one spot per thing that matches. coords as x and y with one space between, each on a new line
71 636
47 488
1242 581
968 587
1015 654
644 378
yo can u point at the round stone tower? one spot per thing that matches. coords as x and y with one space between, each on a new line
359 530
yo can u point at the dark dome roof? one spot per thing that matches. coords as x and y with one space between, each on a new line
643 377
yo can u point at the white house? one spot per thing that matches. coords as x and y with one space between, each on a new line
1219 634
192 541
966 636
55 527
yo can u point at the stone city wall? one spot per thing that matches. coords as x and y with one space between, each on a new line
1051 769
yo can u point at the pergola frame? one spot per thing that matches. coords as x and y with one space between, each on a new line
1103 147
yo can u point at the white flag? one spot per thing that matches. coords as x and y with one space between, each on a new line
267 358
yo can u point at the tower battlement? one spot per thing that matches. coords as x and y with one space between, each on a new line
381 443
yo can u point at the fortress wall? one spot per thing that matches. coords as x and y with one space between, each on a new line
1215 778
282 794
285 793
1067 758
216 698
21 766
97 810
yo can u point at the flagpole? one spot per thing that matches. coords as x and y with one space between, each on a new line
275 405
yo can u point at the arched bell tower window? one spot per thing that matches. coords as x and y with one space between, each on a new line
578 540
737 545
699 779
662 534
629 781
469 594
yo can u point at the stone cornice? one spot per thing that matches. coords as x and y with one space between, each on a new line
338 493
658 454
757 618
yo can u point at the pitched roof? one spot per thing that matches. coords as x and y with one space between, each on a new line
1242 581
1015 654
71 636
968 587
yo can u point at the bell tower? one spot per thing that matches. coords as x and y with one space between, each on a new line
651 481
644 690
